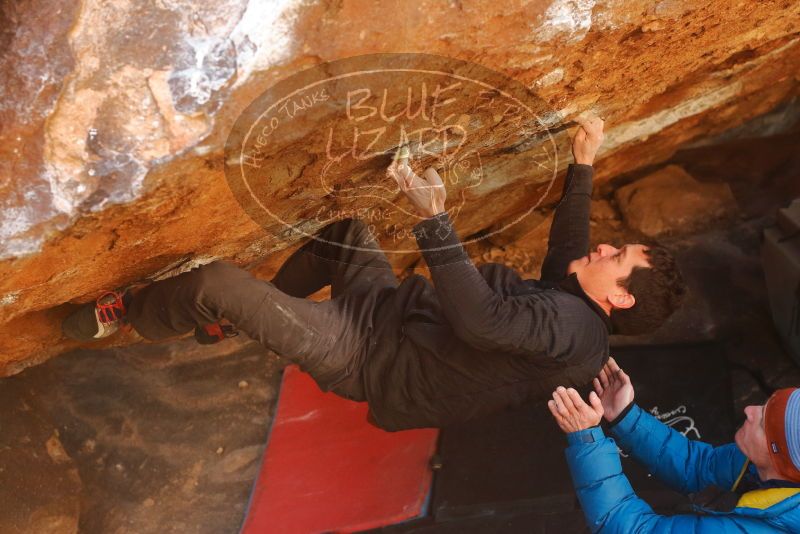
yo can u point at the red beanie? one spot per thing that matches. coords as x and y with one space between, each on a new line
782 428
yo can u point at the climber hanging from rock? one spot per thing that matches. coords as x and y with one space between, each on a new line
476 341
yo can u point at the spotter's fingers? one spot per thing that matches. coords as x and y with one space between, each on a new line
553 407
624 377
598 387
559 402
565 398
597 404
603 377
576 400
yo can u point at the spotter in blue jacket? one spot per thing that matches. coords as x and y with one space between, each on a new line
611 506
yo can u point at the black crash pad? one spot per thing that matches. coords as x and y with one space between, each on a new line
508 471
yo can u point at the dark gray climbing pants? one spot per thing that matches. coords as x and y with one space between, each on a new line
327 339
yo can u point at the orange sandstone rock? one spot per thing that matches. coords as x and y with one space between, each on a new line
114 116
671 201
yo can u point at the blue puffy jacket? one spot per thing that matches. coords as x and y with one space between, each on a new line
688 466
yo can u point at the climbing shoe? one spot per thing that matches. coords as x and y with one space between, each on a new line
99 319
214 333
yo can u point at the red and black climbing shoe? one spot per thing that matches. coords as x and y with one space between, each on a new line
214 333
99 319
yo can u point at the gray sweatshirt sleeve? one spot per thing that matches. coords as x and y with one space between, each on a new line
569 234
480 316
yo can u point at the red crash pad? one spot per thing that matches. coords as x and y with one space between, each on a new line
325 469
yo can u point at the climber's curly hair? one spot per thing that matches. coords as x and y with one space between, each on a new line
659 290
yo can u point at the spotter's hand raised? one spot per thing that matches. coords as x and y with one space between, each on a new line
614 388
572 413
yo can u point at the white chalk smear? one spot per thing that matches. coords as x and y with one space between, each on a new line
264 35
9 298
643 128
572 17
305 417
550 78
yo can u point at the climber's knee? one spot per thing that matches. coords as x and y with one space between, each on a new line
212 277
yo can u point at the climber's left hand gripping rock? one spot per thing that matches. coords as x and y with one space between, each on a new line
426 193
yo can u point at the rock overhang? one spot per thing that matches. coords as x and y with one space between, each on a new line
115 117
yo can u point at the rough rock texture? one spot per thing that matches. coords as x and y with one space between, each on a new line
41 485
165 437
113 117
150 439
671 200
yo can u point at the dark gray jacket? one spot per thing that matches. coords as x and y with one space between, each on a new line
483 339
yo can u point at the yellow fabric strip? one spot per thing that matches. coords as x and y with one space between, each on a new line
741 474
763 499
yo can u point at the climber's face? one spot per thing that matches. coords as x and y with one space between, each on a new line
600 272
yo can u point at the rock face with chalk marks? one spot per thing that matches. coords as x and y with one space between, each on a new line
114 116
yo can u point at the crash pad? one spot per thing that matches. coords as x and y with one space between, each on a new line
326 469
512 463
